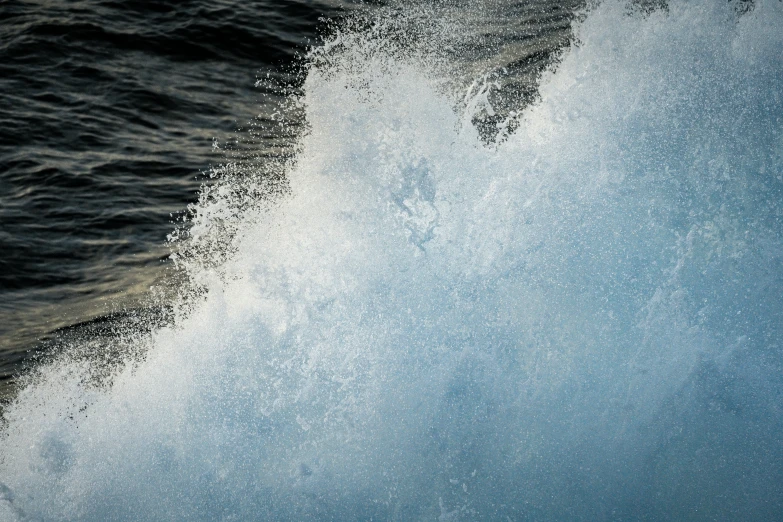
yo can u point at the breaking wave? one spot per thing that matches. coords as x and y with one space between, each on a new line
579 320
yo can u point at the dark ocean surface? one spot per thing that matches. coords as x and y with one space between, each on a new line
109 111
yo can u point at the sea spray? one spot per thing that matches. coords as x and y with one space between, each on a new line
581 320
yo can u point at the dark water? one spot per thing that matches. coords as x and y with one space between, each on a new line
109 110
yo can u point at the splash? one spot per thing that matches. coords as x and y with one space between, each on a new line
581 320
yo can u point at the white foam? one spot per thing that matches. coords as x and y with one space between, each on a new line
426 326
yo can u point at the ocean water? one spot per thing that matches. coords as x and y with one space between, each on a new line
109 110
458 297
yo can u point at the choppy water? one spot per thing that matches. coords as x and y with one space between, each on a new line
460 300
108 112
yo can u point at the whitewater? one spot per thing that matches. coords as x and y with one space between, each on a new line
578 319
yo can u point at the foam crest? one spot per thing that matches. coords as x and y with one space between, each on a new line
579 321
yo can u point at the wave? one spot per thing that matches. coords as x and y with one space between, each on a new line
578 320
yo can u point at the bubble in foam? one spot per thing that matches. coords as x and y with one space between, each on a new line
579 321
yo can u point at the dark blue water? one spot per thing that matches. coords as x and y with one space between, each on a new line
109 111
462 261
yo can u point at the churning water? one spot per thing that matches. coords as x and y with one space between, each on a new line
578 318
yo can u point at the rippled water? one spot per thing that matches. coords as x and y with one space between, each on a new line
109 111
